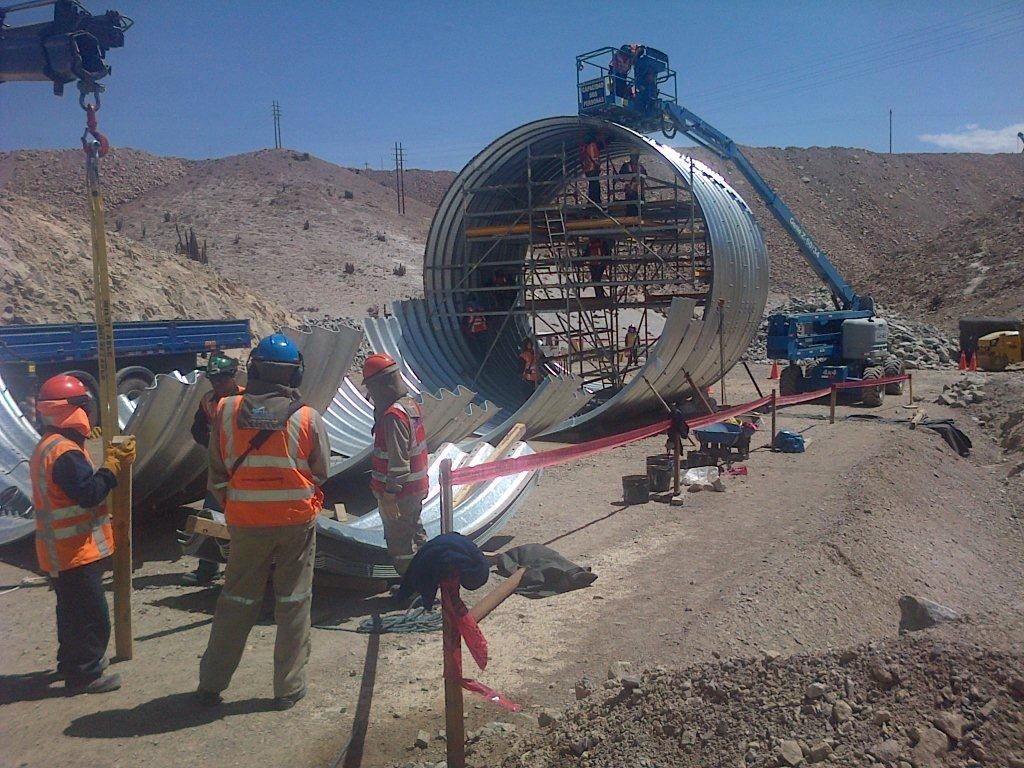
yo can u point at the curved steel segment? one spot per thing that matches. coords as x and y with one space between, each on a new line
701 340
18 440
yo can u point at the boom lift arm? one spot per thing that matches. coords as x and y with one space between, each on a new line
711 138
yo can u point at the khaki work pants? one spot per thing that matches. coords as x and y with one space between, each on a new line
289 549
403 530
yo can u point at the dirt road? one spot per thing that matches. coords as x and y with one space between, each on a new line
807 552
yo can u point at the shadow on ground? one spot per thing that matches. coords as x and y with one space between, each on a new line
166 714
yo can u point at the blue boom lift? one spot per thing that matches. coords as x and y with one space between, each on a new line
845 344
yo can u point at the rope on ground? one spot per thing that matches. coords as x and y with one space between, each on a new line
415 619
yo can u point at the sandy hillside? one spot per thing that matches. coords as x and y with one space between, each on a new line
862 206
252 210
47 275
975 266
426 186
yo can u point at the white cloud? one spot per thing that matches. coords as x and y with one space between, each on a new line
974 138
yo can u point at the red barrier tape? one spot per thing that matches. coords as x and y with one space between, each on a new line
459 616
482 472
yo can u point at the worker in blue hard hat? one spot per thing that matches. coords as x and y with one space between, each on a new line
222 373
268 459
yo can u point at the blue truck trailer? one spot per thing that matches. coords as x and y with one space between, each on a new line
30 354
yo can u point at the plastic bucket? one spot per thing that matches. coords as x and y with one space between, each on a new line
636 489
659 472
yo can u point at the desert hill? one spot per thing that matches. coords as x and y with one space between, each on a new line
862 207
47 275
426 186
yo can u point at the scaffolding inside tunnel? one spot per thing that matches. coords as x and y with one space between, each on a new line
574 273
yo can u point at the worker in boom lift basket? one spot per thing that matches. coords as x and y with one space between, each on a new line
268 458
399 471
73 535
222 372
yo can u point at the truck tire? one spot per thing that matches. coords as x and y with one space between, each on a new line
872 396
132 379
790 380
94 389
893 367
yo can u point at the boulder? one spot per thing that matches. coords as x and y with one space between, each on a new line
918 613
790 753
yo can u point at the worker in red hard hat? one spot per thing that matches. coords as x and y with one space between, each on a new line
399 472
73 535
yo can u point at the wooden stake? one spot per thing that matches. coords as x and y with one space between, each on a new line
832 405
501 450
773 420
455 726
910 388
121 523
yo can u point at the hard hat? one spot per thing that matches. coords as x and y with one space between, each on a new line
378 364
220 364
276 348
63 387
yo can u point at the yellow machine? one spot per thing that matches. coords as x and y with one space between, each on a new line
998 350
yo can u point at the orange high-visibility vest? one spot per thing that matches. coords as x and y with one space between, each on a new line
632 184
530 373
416 482
273 485
590 157
67 535
476 322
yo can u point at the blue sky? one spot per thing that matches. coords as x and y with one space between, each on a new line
196 79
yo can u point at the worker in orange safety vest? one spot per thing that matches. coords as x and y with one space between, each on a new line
268 456
399 470
529 366
73 534
222 373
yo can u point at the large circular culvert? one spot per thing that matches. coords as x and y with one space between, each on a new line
511 240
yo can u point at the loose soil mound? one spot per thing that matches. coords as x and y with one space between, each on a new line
924 702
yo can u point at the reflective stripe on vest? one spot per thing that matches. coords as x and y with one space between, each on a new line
67 535
273 485
415 481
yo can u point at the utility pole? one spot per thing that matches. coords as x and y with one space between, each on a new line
400 176
275 110
890 131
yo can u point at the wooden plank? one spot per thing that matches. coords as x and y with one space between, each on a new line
501 450
121 523
483 607
207 527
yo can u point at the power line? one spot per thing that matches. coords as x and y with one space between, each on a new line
400 176
275 110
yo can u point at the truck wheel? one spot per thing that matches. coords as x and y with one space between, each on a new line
790 380
132 380
872 396
893 367
94 389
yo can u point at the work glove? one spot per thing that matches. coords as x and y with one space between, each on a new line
126 451
111 460
95 432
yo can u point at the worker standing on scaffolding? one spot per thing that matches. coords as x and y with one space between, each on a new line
590 159
597 253
632 188
632 346
476 324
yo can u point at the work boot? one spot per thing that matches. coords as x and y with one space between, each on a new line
60 674
281 703
208 698
102 684
204 574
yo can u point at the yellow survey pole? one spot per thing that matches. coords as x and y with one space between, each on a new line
120 497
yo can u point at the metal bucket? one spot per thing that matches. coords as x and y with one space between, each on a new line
636 489
660 472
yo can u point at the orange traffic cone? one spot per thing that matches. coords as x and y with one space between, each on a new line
962 365
774 375
974 362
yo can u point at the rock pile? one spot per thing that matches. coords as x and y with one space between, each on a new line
963 392
919 345
914 702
